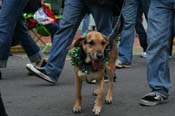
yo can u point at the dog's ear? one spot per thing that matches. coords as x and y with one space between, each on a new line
77 42
106 39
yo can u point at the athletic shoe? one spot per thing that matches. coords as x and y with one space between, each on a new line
42 63
40 73
170 56
92 82
153 99
107 80
120 64
143 55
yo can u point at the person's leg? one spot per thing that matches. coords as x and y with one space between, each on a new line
160 19
29 45
9 15
85 24
73 13
140 29
172 38
171 43
127 35
2 108
103 18
52 28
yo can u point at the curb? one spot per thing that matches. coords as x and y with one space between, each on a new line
17 49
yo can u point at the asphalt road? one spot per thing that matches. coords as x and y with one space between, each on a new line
26 95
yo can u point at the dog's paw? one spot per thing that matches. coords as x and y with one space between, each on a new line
108 100
76 109
97 110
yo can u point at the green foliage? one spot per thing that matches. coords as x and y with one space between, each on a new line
78 60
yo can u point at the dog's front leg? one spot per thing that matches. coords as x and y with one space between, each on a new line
99 99
77 105
109 95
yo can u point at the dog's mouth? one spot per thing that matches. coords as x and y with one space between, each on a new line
97 64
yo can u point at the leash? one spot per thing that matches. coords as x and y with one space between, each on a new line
113 36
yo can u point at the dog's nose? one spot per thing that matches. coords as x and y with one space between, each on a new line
100 55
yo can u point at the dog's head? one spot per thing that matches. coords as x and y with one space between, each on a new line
94 45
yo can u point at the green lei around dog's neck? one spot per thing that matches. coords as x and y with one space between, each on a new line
78 59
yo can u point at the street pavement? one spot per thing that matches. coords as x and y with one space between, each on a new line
26 95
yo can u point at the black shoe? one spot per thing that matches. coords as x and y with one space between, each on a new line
115 77
41 73
152 99
0 75
106 79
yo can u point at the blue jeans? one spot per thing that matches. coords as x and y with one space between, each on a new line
2 112
172 37
52 28
74 11
85 25
128 33
12 29
160 19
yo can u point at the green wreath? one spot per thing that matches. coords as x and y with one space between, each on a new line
78 59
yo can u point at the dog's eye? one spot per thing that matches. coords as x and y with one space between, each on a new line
91 43
85 42
103 42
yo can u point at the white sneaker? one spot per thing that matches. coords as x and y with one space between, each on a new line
119 65
143 55
170 56
40 73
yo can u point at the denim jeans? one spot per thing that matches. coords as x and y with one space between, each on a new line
85 24
172 37
2 108
128 33
12 29
160 19
52 28
74 11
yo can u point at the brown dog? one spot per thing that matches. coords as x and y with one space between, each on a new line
93 54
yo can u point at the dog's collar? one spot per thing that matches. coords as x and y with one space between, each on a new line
78 59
